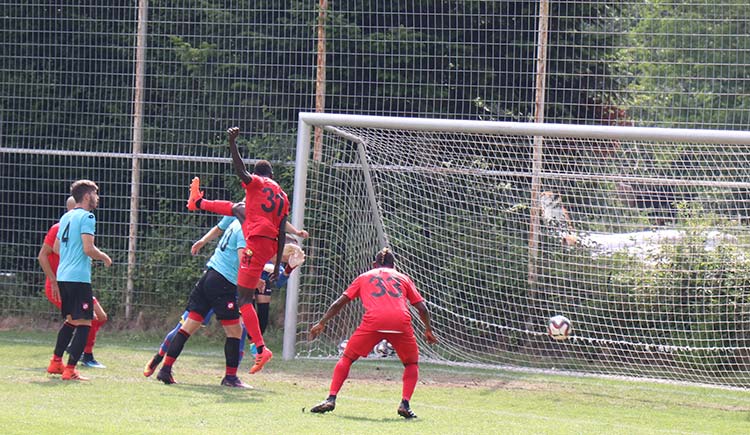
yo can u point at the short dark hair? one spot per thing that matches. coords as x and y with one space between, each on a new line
263 168
385 258
81 187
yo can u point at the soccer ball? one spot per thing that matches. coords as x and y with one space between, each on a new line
383 349
559 327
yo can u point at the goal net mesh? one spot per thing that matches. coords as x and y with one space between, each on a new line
643 245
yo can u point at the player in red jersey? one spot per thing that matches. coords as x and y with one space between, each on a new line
264 228
384 293
49 260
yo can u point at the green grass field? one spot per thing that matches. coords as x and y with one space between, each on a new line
119 399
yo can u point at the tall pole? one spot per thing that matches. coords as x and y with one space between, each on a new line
135 181
536 166
320 78
298 215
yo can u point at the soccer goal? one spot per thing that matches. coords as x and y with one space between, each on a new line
639 236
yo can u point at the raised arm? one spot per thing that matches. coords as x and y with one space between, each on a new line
239 165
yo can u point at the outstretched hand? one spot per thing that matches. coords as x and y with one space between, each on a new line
296 259
316 330
197 246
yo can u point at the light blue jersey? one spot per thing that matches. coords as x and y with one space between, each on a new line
225 259
75 265
225 222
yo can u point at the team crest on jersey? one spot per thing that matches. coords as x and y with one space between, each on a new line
85 306
230 305
248 252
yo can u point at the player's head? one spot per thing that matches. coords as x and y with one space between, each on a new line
70 203
85 193
384 258
263 168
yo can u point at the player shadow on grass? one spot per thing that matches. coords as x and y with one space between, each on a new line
244 395
254 394
394 419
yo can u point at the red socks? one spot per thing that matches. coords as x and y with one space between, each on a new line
250 319
340 373
218 207
95 325
411 375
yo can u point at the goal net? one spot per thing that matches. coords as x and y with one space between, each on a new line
638 235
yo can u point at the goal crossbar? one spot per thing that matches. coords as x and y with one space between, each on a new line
652 134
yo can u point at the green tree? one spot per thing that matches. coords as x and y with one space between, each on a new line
690 65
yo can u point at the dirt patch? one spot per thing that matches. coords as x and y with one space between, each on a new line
27 324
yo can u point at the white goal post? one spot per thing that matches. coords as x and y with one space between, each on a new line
638 235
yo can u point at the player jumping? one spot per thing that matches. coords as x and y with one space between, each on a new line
266 211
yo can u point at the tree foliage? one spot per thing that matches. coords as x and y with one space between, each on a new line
689 64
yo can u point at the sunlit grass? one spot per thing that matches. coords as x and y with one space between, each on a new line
119 399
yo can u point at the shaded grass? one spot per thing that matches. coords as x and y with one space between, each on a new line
120 399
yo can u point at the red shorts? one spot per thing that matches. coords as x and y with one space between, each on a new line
361 343
258 252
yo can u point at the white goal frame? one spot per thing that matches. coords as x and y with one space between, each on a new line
308 122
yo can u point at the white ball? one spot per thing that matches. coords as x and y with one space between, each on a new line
559 327
383 349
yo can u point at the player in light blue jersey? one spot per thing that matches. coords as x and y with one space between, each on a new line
216 291
212 234
75 243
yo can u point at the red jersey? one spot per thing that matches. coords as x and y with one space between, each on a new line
385 293
266 204
54 259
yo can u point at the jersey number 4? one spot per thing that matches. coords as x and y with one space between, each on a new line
65 234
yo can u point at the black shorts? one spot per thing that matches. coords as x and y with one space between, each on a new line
214 291
268 290
77 300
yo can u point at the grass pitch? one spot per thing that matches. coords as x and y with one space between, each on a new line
119 399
